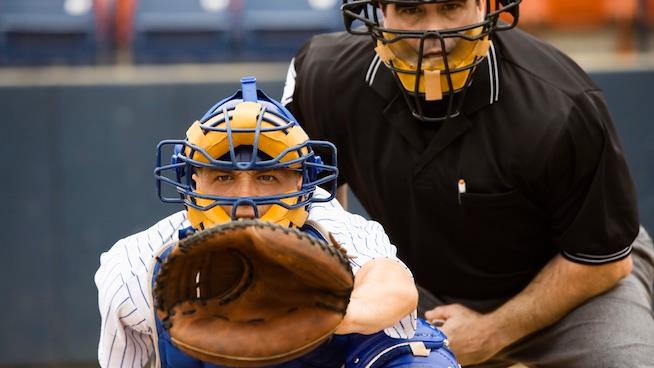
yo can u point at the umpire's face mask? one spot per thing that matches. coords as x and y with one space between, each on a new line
421 17
432 64
432 47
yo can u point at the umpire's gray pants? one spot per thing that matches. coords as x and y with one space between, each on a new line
615 329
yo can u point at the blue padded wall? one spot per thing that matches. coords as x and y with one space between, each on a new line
182 31
78 176
42 32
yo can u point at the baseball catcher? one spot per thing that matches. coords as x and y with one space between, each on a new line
263 267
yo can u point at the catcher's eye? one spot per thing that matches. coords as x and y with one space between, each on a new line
223 178
267 178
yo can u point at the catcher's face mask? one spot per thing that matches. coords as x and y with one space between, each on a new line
432 47
245 132
239 183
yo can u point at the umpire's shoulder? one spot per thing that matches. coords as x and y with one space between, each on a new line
533 61
333 57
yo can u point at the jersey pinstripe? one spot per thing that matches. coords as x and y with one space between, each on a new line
128 334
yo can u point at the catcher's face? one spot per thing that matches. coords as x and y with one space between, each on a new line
249 183
435 16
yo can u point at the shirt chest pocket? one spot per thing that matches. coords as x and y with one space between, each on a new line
503 223
492 200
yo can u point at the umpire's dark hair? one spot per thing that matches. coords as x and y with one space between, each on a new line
383 5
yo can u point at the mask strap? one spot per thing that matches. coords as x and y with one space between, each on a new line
249 88
433 90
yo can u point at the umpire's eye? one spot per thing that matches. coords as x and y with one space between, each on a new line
409 10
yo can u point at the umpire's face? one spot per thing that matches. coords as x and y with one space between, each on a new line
435 16
251 183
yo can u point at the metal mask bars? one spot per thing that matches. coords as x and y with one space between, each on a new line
177 174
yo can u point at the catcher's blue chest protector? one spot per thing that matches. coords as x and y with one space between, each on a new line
426 349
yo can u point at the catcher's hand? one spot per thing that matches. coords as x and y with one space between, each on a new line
251 293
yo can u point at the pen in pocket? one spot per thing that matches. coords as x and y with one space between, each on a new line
462 188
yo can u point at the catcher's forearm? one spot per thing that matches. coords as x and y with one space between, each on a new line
384 293
560 286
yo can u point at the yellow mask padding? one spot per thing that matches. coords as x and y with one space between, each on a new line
245 116
273 143
385 53
275 214
209 218
481 48
404 59
281 216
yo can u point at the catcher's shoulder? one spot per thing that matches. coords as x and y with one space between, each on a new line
157 235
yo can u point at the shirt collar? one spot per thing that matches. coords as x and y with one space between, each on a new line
486 83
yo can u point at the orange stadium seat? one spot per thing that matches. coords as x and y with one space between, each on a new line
124 19
577 14
533 12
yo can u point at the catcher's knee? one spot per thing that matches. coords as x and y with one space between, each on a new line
428 348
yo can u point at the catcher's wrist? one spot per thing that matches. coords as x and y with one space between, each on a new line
345 328
349 327
364 317
349 323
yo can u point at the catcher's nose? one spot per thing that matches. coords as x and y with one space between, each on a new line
245 212
246 208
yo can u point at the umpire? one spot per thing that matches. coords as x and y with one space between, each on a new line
492 162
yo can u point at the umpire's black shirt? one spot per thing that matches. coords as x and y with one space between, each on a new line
535 145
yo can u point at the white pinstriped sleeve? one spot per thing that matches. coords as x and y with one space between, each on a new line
364 240
127 333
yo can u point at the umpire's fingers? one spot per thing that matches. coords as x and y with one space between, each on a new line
439 315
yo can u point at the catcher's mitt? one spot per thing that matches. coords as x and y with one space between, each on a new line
252 293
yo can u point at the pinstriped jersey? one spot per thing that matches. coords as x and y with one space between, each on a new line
128 333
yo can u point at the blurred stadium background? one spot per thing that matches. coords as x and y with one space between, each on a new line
88 87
